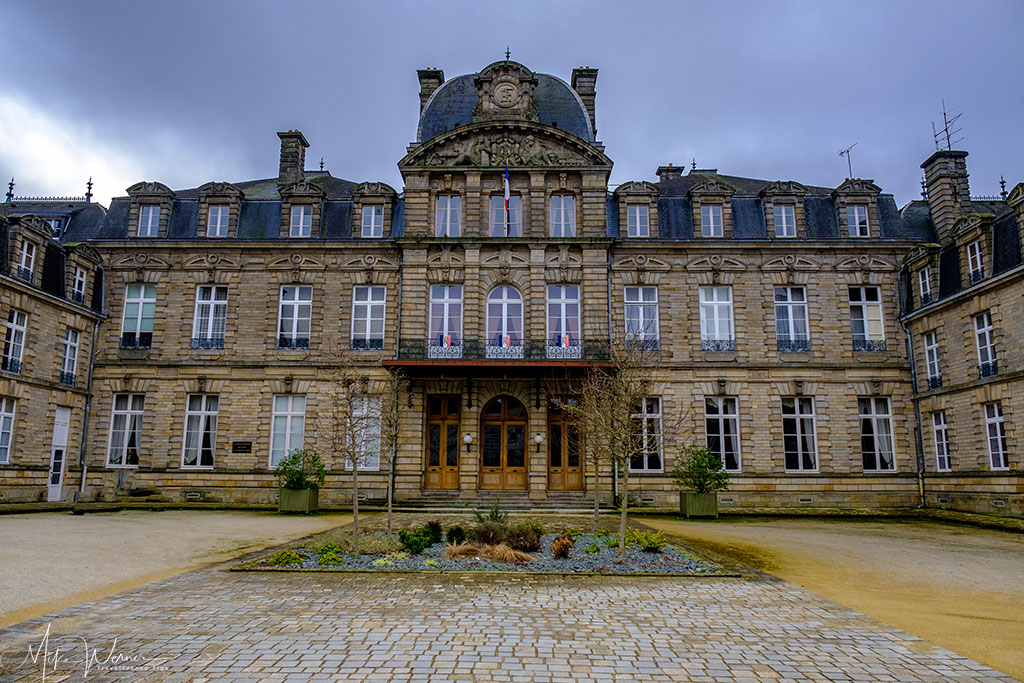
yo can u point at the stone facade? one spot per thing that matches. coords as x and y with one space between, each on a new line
774 309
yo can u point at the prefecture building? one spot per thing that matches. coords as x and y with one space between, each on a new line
836 351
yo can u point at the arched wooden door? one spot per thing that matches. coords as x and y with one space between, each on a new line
503 444
565 470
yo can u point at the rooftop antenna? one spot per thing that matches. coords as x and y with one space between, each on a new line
849 162
10 190
508 53
88 190
321 164
1002 187
947 134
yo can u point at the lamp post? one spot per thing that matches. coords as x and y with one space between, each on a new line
538 439
467 439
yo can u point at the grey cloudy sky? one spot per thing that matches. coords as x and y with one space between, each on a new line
190 91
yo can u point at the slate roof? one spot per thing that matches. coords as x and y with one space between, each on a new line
80 217
452 105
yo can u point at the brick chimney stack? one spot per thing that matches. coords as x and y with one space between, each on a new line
584 82
293 157
670 172
430 80
949 195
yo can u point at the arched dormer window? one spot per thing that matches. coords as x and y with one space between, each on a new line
504 323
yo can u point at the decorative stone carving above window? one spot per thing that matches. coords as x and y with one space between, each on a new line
506 92
149 193
563 265
782 188
713 187
791 262
446 266
219 194
493 145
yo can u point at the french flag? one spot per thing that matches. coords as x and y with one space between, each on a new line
507 216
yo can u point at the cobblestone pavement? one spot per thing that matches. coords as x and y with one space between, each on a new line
212 625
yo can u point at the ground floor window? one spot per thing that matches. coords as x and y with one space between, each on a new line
287 427
876 434
125 430
365 432
200 430
941 441
6 428
798 434
996 428
721 421
648 418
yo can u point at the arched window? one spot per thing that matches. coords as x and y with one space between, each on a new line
505 323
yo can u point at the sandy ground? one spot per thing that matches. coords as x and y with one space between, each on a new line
49 561
956 586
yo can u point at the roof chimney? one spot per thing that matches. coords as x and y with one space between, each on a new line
949 195
293 157
584 82
430 80
670 172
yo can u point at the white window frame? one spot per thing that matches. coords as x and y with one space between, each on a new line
7 410
791 323
563 215
924 283
649 416
55 224
288 419
931 356
785 220
726 416
14 340
643 312
201 426
366 426
78 286
445 308
857 222
940 433
217 218
876 411
496 226
373 221
448 216
505 307
132 413
995 433
301 224
563 321
27 261
867 312
369 310
209 321
149 220
716 322
300 307
69 354
984 340
975 262
144 303
638 220
805 432
711 224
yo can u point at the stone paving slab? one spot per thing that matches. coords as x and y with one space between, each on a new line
212 625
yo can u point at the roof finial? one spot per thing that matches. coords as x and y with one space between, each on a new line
88 191
321 164
924 187
1002 187
508 53
693 165
10 190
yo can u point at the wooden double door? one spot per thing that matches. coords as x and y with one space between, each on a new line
565 470
443 441
503 424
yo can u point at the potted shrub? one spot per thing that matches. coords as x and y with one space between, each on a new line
300 476
699 474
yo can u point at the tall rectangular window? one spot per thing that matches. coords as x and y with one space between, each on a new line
563 322
366 418
27 261
876 434
941 441
69 357
857 220
638 222
515 216
711 220
448 216
6 428
294 316
975 262
716 319
149 220
139 311
924 281
791 330
200 439
987 364
287 426
445 337
931 358
785 220
866 319
799 440
996 429
217 220
563 215
210 319
722 425
373 221
368 317
647 419
125 430
14 341
302 221
78 286
642 316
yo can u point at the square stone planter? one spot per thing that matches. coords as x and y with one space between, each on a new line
698 504
302 501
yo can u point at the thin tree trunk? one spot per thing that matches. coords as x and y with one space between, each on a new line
355 507
624 507
597 499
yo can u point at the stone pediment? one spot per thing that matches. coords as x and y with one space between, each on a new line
636 188
142 260
783 187
373 189
149 188
857 186
865 262
642 262
86 251
493 145
302 188
220 189
563 266
970 223
369 261
713 186
505 90
296 262
446 265
715 262
1016 195
791 262
506 258
207 261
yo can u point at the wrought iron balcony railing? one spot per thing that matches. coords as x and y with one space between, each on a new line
515 350
208 343
78 297
363 344
131 340
935 382
643 343
25 274
926 299
11 365
977 276
67 378
718 344
869 345
790 345
284 342
989 369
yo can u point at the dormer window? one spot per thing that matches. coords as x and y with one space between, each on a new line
924 280
563 215
857 220
638 220
711 220
55 225
27 262
217 220
149 220
785 220
78 286
449 215
302 221
974 262
373 221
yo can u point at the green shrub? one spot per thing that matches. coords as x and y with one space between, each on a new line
561 546
415 540
301 469
369 544
435 531
429 563
612 541
489 532
700 470
573 533
284 558
495 514
383 562
523 536
651 541
603 532
329 554
535 525
456 534
592 549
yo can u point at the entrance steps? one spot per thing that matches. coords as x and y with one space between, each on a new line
574 501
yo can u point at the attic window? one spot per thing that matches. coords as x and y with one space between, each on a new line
711 220
149 220
638 220
55 225
857 220
785 220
